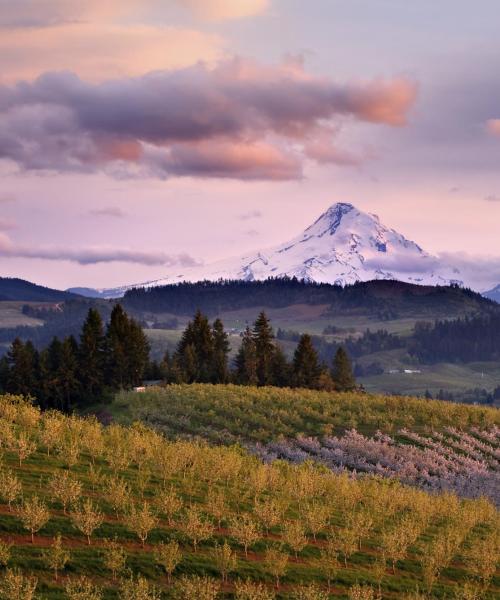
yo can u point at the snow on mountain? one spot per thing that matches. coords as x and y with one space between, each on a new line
493 294
342 246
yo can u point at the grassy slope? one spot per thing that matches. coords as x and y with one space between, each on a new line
193 471
11 314
260 414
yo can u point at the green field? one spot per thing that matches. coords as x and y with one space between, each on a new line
277 529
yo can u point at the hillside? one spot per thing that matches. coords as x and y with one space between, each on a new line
21 290
134 511
384 298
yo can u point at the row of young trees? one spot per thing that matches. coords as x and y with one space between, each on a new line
202 356
70 372
221 503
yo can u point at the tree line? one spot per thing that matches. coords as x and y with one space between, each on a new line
202 356
465 340
71 372
105 359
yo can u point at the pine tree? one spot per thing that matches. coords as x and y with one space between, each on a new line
342 371
54 391
246 360
116 349
67 373
195 351
221 352
306 367
138 353
4 373
264 345
21 358
281 368
91 355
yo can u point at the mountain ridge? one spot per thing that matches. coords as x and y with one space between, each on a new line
342 246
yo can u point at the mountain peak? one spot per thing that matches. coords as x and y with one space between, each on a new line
342 246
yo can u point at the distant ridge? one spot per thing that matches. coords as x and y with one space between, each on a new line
20 290
493 294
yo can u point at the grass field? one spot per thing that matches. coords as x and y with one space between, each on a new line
225 515
11 314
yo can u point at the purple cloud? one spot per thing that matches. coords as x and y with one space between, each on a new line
238 119
108 211
92 256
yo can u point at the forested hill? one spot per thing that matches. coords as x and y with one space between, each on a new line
15 289
382 297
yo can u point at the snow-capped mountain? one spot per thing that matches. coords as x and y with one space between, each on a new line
342 246
493 294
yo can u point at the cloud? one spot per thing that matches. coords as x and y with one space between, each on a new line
99 51
251 214
492 198
4 198
237 119
44 13
403 263
108 211
222 10
7 224
92 256
479 271
493 127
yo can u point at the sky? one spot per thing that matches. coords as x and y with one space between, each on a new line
140 136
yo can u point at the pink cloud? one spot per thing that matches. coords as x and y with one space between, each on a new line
493 127
238 119
222 10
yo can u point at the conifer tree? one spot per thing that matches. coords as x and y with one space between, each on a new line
246 360
195 351
342 371
264 345
116 349
4 373
281 368
221 352
127 351
306 367
91 355
67 373
21 358
138 353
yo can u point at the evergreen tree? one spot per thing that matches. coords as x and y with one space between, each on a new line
4 373
91 355
67 372
342 371
116 374
127 351
55 397
281 368
265 349
195 351
306 367
22 361
221 351
169 369
246 360
138 353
